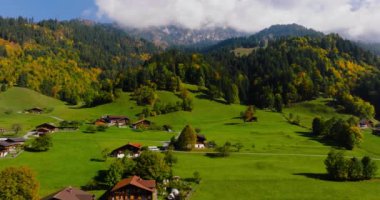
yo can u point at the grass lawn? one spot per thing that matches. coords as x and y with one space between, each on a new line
251 176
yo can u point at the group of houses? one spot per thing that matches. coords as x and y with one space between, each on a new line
122 121
130 188
11 146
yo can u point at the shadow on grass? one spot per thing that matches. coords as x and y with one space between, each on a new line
323 141
318 176
216 155
97 160
231 124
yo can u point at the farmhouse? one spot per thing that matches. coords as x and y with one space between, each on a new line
70 193
133 150
200 144
100 122
10 146
35 110
46 127
134 188
113 120
141 124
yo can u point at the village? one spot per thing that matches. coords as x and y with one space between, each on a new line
132 187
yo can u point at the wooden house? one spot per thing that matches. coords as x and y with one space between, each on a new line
70 193
201 142
141 124
35 110
134 188
46 126
133 150
113 120
10 145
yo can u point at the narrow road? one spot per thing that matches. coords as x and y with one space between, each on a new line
57 118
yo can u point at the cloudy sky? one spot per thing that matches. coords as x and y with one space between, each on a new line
355 19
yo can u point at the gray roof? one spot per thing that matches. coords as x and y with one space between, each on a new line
70 193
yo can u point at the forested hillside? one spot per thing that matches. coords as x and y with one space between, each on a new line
79 61
286 71
72 60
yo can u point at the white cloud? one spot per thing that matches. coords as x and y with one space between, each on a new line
356 19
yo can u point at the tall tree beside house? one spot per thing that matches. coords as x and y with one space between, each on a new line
18 183
42 143
152 165
186 139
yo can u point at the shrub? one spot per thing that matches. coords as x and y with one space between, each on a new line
42 143
369 168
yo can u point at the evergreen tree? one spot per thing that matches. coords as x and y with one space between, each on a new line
186 139
278 104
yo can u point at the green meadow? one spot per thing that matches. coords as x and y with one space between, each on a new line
278 160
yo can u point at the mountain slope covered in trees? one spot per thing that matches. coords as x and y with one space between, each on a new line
71 60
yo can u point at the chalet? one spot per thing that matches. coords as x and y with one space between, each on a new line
201 142
363 123
70 193
112 120
134 188
10 145
47 126
42 131
141 124
34 110
100 122
133 149
15 140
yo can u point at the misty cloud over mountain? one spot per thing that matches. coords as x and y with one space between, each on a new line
355 19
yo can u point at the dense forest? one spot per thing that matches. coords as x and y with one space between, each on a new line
79 61
76 61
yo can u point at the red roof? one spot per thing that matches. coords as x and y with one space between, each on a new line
137 145
148 185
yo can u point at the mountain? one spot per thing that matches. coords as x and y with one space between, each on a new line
166 36
75 61
261 38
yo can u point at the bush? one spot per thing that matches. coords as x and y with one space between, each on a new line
42 143
341 169
101 128
369 168
90 129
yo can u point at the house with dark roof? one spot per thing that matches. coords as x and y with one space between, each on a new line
70 193
144 123
134 188
113 120
50 128
35 110
201 142
133 150
10 146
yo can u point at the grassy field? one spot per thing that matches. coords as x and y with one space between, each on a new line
278 160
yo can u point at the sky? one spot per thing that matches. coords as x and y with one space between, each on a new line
354 19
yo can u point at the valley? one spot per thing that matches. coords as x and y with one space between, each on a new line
276 156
